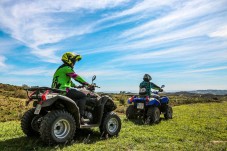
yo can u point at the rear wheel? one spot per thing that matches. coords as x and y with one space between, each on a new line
168 112
131 112
153 115
28 123
57 127
111 125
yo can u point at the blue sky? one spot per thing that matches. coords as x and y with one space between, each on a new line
182 44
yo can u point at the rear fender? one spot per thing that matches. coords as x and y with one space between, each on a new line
70 105
129 101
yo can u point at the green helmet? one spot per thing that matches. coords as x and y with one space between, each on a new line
70 58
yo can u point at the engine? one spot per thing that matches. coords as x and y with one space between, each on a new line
88 115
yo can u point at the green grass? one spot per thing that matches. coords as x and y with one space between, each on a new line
193 127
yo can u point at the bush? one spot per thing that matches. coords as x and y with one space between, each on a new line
122 101
9 88
20 94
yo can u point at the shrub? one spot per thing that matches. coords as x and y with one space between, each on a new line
122 101
20 94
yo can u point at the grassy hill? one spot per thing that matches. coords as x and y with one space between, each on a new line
193 127
12 101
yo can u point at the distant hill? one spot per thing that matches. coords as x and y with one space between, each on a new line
199 92
214 92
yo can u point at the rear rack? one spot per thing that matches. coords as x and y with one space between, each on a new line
44 88
37 90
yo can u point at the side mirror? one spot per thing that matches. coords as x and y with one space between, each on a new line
93 78
162 86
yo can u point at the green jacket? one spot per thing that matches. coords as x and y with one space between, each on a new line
62 78
149 86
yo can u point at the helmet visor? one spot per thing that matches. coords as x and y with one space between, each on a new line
78 58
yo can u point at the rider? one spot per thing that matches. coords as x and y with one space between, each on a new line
146 86
62 80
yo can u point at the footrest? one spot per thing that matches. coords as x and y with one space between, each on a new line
86 120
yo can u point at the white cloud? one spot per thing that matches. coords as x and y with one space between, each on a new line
189 54
178 24
108 73
7 45
181 14
145 6
33 22
46 55
208 69
220 32
2 62
37 71
164 39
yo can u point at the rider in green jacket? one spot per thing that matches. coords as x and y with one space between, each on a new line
62 80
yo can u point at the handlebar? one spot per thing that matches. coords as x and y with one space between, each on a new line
88 87
156 92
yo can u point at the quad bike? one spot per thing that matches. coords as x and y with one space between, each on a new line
55 117
149 108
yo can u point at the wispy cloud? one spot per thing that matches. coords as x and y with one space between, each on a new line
141 10
220 32
34 23
109 73
198 53
37 71
209 69
2 62
181 15
178 23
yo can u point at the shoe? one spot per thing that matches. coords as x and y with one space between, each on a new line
82 120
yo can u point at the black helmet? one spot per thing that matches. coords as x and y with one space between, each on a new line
147 77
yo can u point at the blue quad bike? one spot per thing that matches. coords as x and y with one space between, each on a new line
149 108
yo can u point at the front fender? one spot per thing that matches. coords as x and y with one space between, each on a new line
164 99
108 103
153 102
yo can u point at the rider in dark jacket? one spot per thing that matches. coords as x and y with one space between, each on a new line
146 86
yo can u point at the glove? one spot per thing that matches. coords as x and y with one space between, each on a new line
79 86
89 86
86 84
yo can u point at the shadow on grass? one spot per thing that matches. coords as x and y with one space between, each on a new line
135 121
85 136
140 121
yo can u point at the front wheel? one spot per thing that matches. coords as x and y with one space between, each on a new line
168 112
57 127
111 125
153 115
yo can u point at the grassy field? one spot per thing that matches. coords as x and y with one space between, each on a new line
193 127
